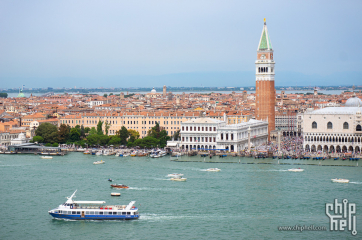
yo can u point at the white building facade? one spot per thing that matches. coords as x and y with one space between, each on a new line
206 134
334 129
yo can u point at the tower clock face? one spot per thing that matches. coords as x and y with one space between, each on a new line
271 56
262 56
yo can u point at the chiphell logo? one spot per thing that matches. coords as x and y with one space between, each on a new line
342 216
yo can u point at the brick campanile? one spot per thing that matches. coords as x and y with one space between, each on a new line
265 88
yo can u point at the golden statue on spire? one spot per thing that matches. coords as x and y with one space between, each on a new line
264 20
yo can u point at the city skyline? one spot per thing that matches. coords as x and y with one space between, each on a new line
122 44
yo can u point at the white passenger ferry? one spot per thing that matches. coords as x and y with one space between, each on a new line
94 210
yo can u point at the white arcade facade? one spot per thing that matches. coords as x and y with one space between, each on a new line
211 134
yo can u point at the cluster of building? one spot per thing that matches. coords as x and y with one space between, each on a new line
233 121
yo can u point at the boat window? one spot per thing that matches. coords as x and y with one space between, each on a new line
123 213
128 213
114 213
78 212
96 213
109 213
100 213
92 213
60 211
119 213
73 212
87 212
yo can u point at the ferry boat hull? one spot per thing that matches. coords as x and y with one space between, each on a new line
93 217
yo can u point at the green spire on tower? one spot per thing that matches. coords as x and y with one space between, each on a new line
265 43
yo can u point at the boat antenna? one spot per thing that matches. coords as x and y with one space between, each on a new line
70 198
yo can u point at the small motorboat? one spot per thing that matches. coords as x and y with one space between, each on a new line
179 179
99 162
119 186
87 152
46 157
98 153
115 194
213 170
336 158
175 175
126 155
295 170
340 180
110 180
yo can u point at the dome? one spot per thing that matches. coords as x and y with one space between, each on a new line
353 102
153 90
21 136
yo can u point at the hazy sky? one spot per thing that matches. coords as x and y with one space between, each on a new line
125 43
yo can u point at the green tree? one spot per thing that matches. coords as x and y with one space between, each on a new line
48 132
92 131
133 133
105 95
63 133
55 145
87 130
74 135
110 94
82 131
107 125
48 145
38 139
159 134
99 128
146 142
176 135
114 140
123 134
3 95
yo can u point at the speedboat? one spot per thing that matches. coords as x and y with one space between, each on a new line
340 180
110 180
134 154
99 162
87 152
179 179
213 170
115 194
126 155
295 170
94 210
175 175
99 153
46 157
119 186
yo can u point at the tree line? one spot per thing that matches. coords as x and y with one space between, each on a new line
51 135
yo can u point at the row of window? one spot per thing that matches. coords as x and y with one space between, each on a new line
330 126
96 212
198 128
200 139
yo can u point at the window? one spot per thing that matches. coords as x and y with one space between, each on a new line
78 212
345 125
314 125
73 212
329 125
123 213
100 213
109 213
358 128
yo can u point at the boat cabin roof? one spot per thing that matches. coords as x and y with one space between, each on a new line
89 202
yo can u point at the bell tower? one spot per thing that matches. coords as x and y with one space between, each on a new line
265 88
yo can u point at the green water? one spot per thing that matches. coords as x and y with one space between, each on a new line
243 201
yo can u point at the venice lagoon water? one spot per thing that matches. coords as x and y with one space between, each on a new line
243 201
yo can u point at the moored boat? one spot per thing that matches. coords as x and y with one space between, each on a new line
295 170
119 186
115 194
179 179
99 162
94 210
46 157
87 152
213 170
340 180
